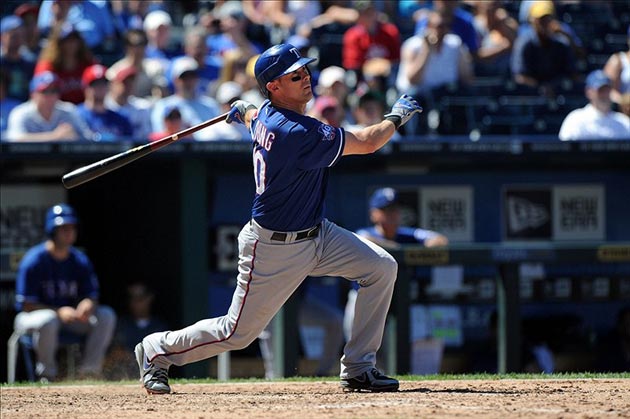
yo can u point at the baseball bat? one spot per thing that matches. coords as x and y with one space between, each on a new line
101 167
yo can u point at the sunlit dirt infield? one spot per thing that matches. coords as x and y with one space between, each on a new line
501 398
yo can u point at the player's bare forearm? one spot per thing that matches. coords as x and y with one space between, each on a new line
369 139
372 138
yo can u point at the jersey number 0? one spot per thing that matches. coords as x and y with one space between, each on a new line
259 171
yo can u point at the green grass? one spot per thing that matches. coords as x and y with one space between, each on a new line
515 376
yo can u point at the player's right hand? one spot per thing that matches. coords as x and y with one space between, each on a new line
402 111
238 111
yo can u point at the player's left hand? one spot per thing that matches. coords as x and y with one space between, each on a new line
402 111
238 111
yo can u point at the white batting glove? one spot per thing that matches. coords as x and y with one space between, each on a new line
238 111
402 111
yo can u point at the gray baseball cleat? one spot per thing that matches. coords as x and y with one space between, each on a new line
373 380
154 379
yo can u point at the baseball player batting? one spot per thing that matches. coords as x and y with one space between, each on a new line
288 238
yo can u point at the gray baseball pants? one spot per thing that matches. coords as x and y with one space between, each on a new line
269 272
45 326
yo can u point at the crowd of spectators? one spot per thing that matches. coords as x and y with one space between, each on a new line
479 67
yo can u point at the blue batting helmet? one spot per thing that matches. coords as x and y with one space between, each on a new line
59 215
383 197
276 62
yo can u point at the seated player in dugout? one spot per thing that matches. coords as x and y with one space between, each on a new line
57 291
386 231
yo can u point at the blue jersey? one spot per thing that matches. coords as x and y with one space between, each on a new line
404 235
44 280
108 125
292 155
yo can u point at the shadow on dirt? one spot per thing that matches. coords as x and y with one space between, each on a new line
459 390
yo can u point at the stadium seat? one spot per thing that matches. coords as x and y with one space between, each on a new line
462 114
515 114
68 342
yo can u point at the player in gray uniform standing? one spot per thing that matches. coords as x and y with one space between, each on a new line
288 238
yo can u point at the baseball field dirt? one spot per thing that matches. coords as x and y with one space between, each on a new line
488 399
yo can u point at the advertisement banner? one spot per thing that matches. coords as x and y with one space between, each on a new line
526 213
578 212
448 210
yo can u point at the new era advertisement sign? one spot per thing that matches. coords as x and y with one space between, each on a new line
448 210
578 212
527 213
558 212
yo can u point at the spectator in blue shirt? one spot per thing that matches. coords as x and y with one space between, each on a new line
231 38
15 59
194 108
93 22
57 290
108 125
129 15
209 65
157 25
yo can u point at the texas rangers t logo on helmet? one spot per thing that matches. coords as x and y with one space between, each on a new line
276 62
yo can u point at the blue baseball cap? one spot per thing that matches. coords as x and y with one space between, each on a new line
597 79
43 81
8 23
383 197
58 215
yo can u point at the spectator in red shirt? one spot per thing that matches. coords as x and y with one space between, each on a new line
369 38
66 54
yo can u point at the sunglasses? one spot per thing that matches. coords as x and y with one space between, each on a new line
296 76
